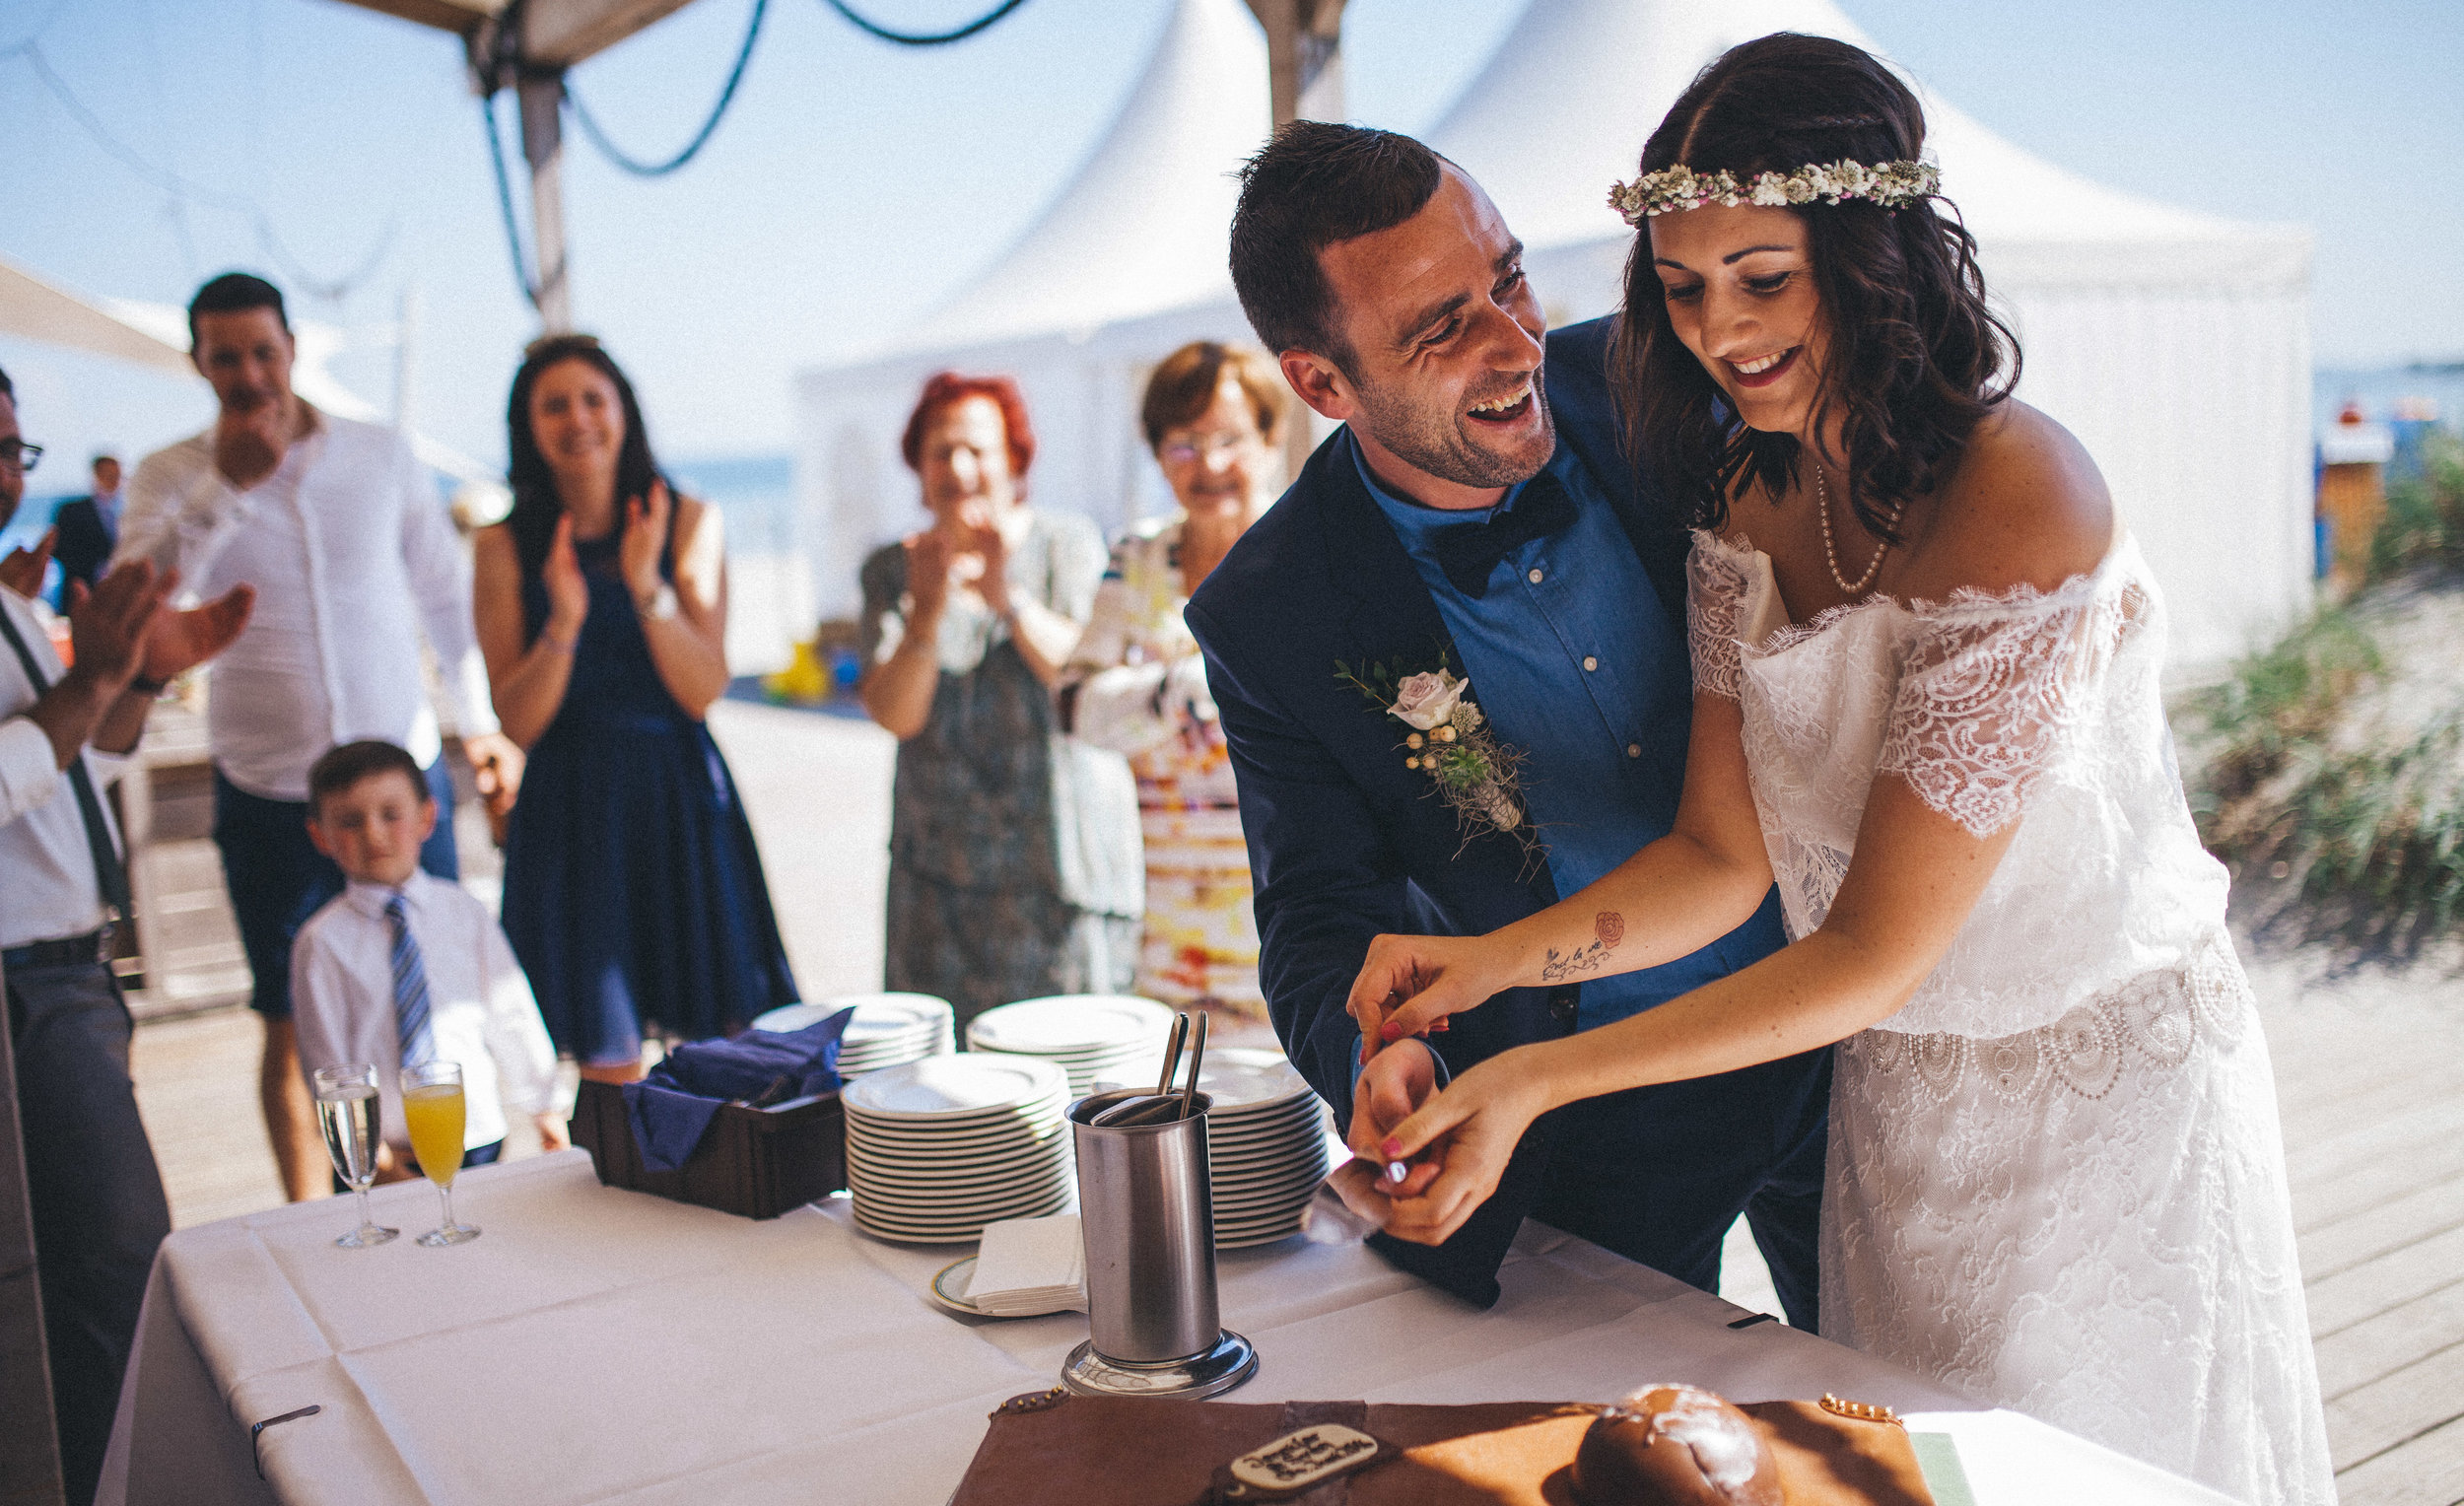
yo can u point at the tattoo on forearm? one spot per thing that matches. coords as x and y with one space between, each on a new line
1608 929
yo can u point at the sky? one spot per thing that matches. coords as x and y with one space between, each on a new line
854 185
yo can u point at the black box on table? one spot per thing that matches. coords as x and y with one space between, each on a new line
757 1162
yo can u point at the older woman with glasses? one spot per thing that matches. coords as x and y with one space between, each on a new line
1136 683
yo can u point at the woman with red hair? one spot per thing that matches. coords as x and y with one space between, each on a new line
1015 865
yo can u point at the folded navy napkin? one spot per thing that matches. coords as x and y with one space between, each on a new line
671 1107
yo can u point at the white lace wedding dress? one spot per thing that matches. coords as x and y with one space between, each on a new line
2056 1177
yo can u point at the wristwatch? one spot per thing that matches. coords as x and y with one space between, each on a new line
663 603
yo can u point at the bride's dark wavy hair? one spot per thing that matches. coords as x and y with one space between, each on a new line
1915 359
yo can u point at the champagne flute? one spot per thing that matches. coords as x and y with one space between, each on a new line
347 1108
432 1101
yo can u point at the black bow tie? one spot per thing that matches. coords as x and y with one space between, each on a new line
1468 552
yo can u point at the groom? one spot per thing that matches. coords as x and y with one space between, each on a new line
1475 517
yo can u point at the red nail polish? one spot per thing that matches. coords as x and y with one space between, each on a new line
1389 1032
1393 1147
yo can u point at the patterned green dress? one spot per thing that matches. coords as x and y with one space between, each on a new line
1015 864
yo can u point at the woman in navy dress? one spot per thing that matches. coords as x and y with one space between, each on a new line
633 892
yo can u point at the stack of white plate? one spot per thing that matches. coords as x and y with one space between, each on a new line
888 1028
1087 1035
1266 1144
940 1147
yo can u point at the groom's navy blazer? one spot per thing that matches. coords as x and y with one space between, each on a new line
1344 841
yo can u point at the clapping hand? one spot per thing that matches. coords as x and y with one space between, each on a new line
929 559
108 626
987 558
23 570
645 542
178 642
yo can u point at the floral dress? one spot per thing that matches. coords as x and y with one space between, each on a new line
1013 848
1140 687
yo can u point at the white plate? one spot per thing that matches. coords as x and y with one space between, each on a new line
902 1184
1023 1134
963 1085
1262 1237
963 1231
1073 1023
953 1174
877 1015
974 1205
1242 1078
1023 1139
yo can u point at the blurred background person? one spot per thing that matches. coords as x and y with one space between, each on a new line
634 895
87 529
1014 861
355 560
1213 415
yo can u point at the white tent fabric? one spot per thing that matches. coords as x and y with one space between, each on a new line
2174 344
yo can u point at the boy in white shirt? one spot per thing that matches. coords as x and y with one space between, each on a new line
405 967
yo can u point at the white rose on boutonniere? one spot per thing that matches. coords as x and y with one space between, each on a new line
1426 700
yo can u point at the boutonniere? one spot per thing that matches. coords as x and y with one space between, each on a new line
1448 738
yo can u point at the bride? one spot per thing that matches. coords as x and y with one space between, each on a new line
1926 671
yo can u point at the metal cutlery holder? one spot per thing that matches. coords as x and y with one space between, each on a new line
1146 1211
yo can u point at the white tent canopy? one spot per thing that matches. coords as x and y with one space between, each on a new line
2174 344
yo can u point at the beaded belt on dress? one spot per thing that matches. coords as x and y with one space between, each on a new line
2157 1015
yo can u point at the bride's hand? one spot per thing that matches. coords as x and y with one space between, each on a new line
1410 984
1473 1124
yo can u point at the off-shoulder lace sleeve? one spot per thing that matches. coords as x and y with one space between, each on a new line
1715 595
1992 694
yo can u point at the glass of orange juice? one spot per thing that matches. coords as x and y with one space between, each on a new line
432 1103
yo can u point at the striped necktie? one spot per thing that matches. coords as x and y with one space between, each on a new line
410 988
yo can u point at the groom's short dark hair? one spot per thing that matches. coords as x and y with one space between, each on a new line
1313 184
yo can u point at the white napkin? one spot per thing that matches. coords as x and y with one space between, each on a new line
1030 1266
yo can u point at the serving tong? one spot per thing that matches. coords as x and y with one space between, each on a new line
1163 1106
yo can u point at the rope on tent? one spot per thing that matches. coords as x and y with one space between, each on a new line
505 200
924 38
726 95
331 290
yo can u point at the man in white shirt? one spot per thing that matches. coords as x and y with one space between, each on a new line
404 967
96 1195
355 560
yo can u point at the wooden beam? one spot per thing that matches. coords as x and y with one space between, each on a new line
460 16
558 34
1304 57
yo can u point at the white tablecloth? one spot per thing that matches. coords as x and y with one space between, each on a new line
598 1345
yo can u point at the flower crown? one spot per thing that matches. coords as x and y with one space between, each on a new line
1891 184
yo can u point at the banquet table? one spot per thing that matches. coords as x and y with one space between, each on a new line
602 1345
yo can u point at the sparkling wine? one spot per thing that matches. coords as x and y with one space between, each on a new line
350 1118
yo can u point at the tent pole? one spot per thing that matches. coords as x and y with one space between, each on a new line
543 147
1305 72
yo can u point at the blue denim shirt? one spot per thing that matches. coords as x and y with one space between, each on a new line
1572 659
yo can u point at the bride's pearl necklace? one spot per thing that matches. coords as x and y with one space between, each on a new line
1830 551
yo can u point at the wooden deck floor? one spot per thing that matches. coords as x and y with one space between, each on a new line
2370 1071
